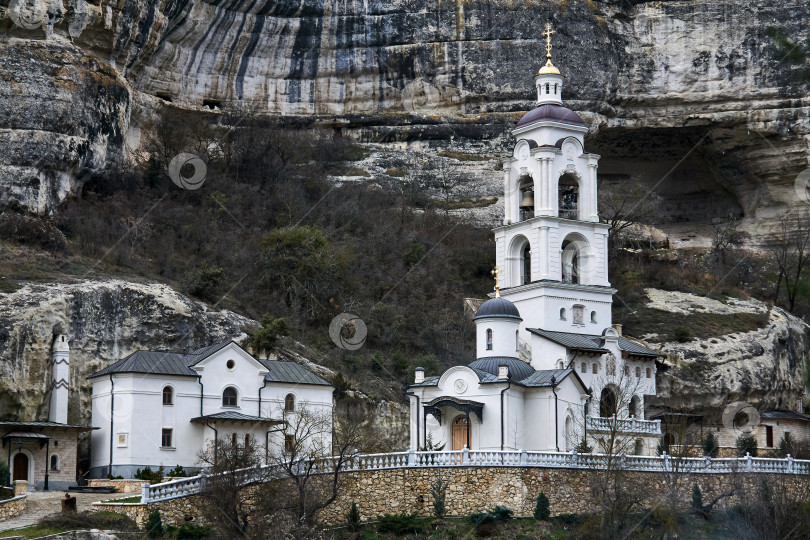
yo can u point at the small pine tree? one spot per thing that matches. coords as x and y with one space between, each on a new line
353 518
746 444
541 510
583 448
697 498
154 525
710 445
439 491
787 445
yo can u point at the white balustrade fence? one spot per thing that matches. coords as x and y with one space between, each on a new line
623 425
490 458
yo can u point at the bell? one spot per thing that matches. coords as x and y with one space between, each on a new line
528 200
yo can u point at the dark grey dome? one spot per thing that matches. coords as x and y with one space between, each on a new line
551 113
498 307
518 370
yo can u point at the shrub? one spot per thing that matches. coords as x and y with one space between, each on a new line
204 282
697 498
189 530
353 518
541 509
31 231
746 444
153 477
583 448
499 513
154 525
90 520
270 330
439 491
682 334
4 473
710 445
399 524
178 472
787 445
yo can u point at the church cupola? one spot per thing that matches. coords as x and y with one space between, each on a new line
497 323
549 79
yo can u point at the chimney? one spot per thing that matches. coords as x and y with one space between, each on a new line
503 372
618 328
419 375
60 377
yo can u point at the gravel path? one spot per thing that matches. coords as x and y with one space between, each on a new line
43 503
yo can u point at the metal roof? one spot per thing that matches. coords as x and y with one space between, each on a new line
46 425
543 377
789 415
593 343
518 369
233 416
582 342
290 372
551 112
24 435
429 381
498 308
178 364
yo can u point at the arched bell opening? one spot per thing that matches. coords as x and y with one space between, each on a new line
520 261
574 260
568 197
608 403
526 186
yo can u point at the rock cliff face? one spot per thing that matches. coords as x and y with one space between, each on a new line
104 322
696 84
765 367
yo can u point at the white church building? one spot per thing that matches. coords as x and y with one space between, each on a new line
163 408
551 370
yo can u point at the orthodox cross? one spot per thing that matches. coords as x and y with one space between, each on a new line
496 272
547 34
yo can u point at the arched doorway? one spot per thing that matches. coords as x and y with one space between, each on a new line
460 432
639 448
519 258
20 465
634 407
569 434
608 403
568 197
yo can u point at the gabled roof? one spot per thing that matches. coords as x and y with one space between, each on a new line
543 377
593 343
180 364
290 372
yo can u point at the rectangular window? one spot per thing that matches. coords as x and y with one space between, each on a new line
596 368
769 436
166 438
289 443
649 372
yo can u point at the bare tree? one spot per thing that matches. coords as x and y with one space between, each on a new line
791 252
311 456
624 204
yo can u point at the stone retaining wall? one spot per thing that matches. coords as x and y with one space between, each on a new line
476 489
121 486
13 507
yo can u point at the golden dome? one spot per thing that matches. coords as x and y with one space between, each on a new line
549 69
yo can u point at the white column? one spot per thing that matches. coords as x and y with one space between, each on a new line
594 206
543 253
552 197
507 196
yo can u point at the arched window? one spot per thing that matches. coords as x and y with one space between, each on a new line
649 372
595 368
517 341
626 371
234 439
54 462
247 440
583 367
489 339
289 403
527 265
229 397
593 317
548 88
168 395
559 364
639 448
562 314
634 408
555 88
569 433
608 403
638 372
568 197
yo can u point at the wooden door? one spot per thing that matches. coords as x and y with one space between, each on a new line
20 467
459 432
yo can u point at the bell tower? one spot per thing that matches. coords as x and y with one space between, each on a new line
551 246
